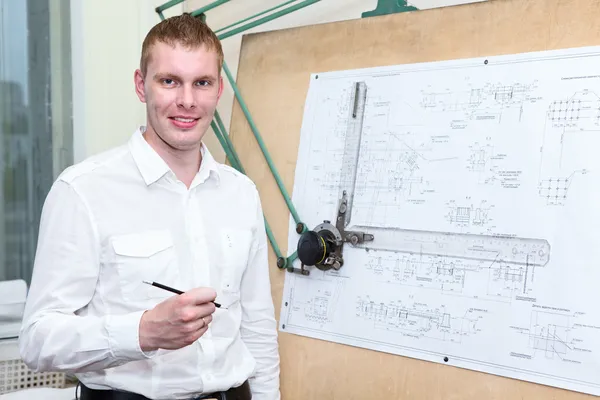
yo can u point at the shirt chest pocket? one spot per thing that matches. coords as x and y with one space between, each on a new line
144 256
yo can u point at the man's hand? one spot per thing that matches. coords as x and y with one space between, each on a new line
178 321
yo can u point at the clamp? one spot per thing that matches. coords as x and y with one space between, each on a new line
322 247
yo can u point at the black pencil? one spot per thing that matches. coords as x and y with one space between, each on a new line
170 289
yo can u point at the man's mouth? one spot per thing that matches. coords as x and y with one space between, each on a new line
184 122
180 119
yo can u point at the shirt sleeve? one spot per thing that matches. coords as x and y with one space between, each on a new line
258 326
56 333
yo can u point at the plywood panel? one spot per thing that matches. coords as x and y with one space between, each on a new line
274 72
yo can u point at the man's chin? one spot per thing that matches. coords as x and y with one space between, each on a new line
185 141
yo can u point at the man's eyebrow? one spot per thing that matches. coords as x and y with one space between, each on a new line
161 75
206 77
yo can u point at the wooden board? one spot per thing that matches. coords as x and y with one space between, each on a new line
273 76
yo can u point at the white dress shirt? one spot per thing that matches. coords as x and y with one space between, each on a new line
123 217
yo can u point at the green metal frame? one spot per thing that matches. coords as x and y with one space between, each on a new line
383 7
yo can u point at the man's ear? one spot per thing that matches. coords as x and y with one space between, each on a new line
140 90
220 87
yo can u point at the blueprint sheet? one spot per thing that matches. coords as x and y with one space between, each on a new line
480 181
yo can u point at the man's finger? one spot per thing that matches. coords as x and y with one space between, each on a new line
188 313
201 295
197 324
192 337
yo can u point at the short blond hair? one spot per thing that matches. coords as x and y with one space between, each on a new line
186 30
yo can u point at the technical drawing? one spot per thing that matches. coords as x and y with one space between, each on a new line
556 335
321 306
572 124
318 309
394 173
550 334
418 320
511 281
578 113
476 181
482 163
314 302
555 190
490 167
480 159
491 280
388 179
490 102
433 272
462 214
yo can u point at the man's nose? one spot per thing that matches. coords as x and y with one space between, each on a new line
186 97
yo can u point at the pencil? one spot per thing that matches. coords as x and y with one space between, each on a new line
170 289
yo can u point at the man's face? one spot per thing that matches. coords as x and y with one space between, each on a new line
181 90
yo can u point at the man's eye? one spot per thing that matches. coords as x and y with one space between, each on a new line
203 83
167 81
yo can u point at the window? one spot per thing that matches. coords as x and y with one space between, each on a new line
35 122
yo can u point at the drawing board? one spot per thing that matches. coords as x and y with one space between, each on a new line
438 136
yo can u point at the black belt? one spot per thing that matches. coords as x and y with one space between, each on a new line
238 393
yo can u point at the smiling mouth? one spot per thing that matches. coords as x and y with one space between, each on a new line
185 123
184 119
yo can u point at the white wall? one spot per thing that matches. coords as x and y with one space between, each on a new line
107 38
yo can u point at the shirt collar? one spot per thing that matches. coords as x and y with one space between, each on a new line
153 167
208 167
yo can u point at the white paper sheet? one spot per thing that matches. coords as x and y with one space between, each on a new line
480 181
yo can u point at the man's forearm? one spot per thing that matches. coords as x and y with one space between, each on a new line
54 341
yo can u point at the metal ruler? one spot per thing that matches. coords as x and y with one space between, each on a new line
356 113
514 250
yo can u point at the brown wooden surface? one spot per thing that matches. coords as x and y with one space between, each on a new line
273 76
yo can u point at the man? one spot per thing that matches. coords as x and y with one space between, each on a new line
158 209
